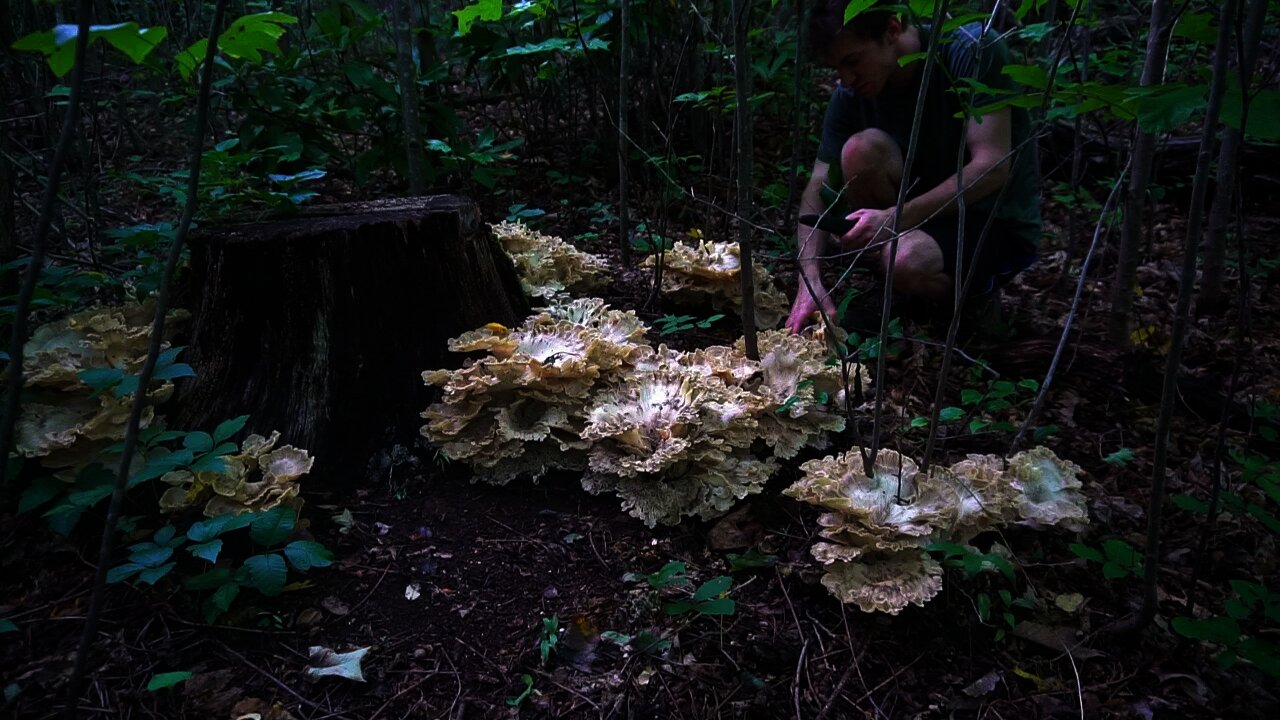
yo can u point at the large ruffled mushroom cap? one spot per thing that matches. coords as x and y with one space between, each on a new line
1050 490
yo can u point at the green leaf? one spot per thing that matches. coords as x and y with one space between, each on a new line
1200 27
123 572
1119 457
152 574
267 573
228 428
1169 106
199 442
173 372
713 588
273 526
488 10
305 554
208 580
1222 630
1114 571
950 414
1086 552
161 681
207 551
149 554
720 606
856 8
252 35
206 530
222 597
1190 504
677 608
1032 76
42 490
58 45
970 397
191 58
1264 125
7 626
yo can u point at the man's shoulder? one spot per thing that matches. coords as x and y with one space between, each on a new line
965 47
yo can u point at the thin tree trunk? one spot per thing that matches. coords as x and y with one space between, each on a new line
742 123
1199 188
798 117
1144 151
1212 296
39 244
408 95
624 240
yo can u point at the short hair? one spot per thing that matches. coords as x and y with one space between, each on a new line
826 20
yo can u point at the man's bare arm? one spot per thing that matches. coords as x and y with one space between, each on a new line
989 139
811 244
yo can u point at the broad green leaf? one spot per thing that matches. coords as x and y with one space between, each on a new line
1119 457
721 606
58 45
189 59
1200 27
856 8
173 372
151 575
950 414
206 530
267 573
252 35
1032 76
1264 119
1223 630
1190 504
228 428
207 551
273 526
1170 106
305 554
200 442
123 572
161 681
42 490
488 10
712 588
1086 552
149 554
222 597
7 626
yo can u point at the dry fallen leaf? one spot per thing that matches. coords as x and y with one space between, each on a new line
324 661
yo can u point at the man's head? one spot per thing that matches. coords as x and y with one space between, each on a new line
865 51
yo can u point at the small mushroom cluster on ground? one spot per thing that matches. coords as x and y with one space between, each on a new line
878 521
709 273
673 433
548 266
64 422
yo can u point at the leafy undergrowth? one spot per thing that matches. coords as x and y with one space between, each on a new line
542 601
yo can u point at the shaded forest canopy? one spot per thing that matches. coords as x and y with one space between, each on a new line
236 236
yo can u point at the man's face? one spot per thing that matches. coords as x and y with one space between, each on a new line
862 65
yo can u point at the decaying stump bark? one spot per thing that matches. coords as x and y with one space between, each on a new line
320 326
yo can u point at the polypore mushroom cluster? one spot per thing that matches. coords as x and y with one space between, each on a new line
709 274
878 523
259 477
670 432
547 265
63 423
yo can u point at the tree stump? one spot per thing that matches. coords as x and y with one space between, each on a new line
320 325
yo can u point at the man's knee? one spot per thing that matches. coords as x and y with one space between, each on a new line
918 267
871 150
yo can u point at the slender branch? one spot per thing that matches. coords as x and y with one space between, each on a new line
148 368
931 59
40 243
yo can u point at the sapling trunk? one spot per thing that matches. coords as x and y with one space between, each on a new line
742 127
624 23
1199 188
40 240
930 60
407 77
1212 295
1144 150
75 684
798 116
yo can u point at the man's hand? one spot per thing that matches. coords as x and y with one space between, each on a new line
805 306
868 226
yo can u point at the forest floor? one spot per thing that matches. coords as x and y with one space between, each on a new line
453 584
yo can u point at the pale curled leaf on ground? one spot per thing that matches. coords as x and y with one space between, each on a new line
324 661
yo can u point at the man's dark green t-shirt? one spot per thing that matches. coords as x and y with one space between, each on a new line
965 53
